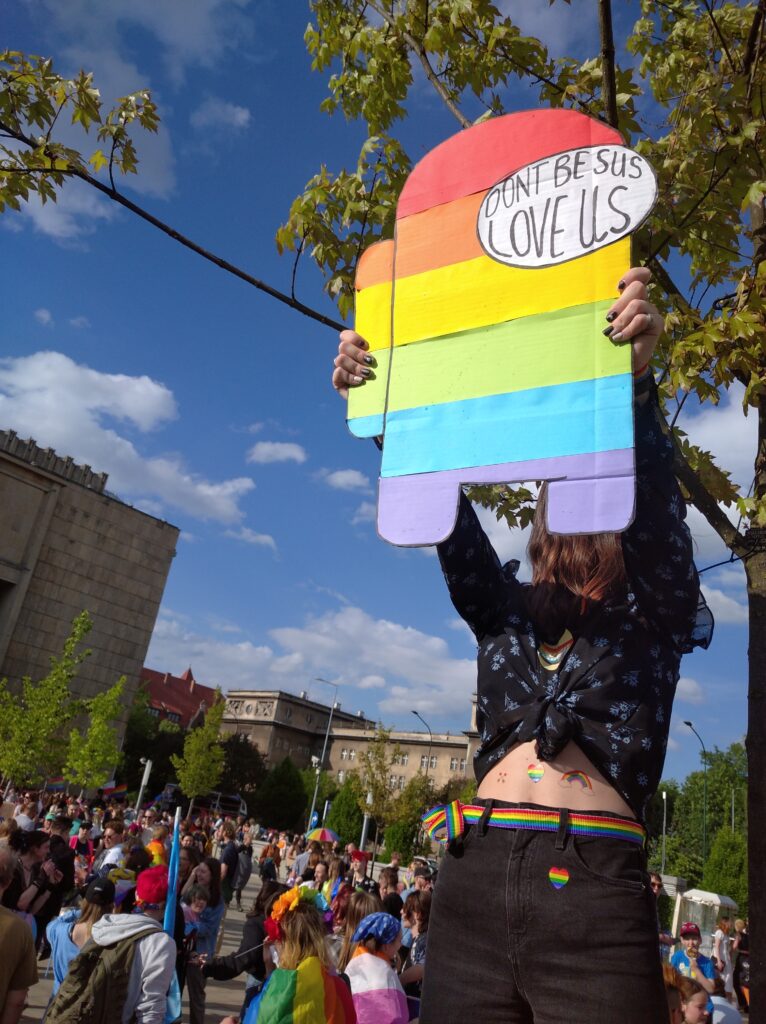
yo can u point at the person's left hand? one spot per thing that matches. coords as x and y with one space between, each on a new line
634 319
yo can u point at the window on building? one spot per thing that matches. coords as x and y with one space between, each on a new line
341 776
433 761
288 713
401 782
424 761
309 717
173 717
154 712
352 754
392 781
462 764
344 754
405 758
453 763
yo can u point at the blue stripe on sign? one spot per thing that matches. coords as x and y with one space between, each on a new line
541 423
366 426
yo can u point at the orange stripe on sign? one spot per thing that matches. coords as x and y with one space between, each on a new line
376 265
439 236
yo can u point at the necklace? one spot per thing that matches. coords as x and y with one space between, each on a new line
551 656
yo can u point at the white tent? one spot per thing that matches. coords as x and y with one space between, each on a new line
704 909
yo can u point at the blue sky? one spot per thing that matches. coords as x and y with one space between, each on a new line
209 403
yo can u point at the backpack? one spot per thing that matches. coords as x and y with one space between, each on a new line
96 985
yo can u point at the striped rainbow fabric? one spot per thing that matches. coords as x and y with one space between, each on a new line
308 995
376 991
480 364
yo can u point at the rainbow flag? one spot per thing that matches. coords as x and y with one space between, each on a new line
308 995
56 785
113 790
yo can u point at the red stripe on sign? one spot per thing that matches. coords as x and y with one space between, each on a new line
475 159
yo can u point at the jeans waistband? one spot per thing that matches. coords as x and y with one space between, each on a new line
454 817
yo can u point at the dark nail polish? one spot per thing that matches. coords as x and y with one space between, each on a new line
369 360
611 316
607 331
620 285
365 371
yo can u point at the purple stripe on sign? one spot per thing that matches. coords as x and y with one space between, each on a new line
590 493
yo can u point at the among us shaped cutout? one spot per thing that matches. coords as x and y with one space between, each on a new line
485 316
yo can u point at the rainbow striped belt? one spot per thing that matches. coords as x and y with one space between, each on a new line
454 818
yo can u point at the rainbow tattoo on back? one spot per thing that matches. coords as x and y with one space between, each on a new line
578 777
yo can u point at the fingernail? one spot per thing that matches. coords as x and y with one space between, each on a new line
365 371
611 316
607 331
620 285
617 336
357 380
369 360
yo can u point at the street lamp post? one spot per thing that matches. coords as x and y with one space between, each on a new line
704 793
430 738
664 826
324 747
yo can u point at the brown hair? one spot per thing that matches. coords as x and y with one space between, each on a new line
303 932
688 987
569 573
418 904
92 912
359 906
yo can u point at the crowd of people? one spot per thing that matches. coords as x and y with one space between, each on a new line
86 882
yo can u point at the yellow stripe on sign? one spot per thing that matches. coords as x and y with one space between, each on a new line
372 315
533 352
480 292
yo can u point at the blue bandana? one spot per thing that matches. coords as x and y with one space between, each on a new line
380 926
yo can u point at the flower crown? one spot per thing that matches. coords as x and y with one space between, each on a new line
287 902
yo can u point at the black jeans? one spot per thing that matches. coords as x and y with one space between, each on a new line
507 946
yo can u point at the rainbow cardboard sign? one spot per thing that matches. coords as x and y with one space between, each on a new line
485 315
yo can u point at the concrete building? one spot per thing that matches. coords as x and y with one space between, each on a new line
67 545
283 724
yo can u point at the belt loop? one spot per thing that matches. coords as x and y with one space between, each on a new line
483 822
561 834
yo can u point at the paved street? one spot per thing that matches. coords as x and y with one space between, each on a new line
222 997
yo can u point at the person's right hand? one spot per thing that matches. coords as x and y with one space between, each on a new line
353 363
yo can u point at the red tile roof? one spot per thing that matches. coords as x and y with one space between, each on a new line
176 695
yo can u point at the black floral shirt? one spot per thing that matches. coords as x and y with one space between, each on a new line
613 692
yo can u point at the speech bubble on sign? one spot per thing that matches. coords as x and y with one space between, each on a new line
485 315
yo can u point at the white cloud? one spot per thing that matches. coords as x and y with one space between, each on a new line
67 406
276 451
371 682
689 691
244 533
397 666
366 513
44 316
79 322
420 670
725 608
73 217
345 479
217 115
725 431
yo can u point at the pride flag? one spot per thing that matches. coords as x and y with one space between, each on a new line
56 785
308 995
113 790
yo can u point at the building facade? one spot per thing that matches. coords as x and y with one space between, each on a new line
284 725
179 699
66 545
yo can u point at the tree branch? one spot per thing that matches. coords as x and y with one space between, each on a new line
609 84
751 47
139 211
721 39
420 52
706 504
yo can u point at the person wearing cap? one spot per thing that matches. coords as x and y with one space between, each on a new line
690 962
155 953
68 933
375 988
18 966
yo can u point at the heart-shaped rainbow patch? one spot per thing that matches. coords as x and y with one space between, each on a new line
558 877
535 772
